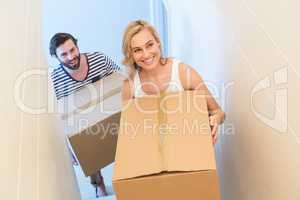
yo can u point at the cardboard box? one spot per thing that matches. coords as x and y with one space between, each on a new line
91 118
165 149
95 147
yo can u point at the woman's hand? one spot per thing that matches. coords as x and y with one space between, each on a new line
214 128
214 121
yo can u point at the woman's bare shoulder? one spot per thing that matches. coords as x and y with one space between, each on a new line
189 77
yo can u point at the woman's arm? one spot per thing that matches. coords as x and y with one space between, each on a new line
191 80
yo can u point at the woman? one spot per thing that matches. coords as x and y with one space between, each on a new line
152 74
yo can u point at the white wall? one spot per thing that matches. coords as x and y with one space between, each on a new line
35 163
250 47
98 25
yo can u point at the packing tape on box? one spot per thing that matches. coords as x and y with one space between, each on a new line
163 127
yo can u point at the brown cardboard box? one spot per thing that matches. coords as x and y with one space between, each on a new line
91 118
95 147
165 149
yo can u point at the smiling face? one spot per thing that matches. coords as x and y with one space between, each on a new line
145 50
68 54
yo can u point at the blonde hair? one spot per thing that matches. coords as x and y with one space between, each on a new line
132 29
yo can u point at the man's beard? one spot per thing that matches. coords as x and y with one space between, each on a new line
70 66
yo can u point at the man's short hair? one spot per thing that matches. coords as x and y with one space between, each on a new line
58 39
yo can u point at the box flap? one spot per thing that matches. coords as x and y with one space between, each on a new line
137 150
89 96
199 185
169 132
187 145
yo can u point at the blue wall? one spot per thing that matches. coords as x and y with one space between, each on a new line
98 25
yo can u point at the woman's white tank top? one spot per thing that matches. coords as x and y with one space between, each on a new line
174 84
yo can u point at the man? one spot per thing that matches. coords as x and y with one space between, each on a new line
76 70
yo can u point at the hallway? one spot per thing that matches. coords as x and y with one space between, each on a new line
247 52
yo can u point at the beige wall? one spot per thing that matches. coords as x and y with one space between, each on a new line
35 163
238 43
